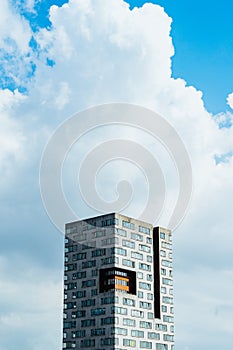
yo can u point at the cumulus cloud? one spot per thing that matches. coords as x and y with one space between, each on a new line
15 53
230 100
30 305
104 52
12 140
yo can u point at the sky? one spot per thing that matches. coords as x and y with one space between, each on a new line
173 57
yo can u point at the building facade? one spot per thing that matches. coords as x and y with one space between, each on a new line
118 285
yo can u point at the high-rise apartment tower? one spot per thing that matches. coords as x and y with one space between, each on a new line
118 291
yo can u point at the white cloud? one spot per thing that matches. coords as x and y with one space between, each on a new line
63 93
230 100
12 140
104 52
30 305
13 26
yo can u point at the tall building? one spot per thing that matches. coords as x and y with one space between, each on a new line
118 290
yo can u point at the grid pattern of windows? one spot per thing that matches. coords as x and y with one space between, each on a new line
110 295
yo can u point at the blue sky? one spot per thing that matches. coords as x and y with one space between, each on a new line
98 51
202 37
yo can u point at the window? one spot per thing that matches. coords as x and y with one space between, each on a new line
167 300
108 320
137 313
78 314
88 302
162 253
164 308
79 334
118 250
128 263
161 346
98 252
98 311
88 283
94 272
166 245
153 335
79 256
143 229
109 222
149 296
144 285
136 237
148 240
166 263
163 290
88 264
143 266
120 331
99 233
88 322
167 318
145 345
129 322
136 333
70 267
144 248
87 343
161 327
149 258
68 325
71 248
168 337
94 292
69 345
121 232
72 285
140 294
163 272
70 305
110 260
115 221
162 235
129 342
167 281
119 310
109 341
128 244
97 331
140 275
116 282
109 300
145 305
136 255
128 301
110 241
78 275
79 294
128 224
145 324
